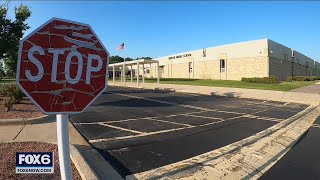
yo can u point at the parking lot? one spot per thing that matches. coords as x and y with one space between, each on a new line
136 130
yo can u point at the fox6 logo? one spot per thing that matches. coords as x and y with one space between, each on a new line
34 162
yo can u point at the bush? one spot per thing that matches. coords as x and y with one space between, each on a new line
8 103
314 78
299 78
264 80
306 78
273 79
13 91
289 79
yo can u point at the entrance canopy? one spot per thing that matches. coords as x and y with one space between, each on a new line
138 63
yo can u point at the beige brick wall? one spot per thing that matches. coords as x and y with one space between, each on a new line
236 68
247 67
206 69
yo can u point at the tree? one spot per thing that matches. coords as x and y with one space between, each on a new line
115 59
128 59
148 58
11 31
2 71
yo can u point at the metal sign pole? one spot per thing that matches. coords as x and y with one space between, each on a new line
63 146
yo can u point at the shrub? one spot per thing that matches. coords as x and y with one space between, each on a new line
273 79
306 78
314 78
8 103
299 78
13 91
265 80
289 79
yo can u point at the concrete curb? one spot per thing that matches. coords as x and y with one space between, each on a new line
85 171
283 96
246 159
21 121
89 163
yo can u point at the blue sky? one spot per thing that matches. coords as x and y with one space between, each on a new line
150 28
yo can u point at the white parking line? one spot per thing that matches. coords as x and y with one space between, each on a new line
142 134
206 117
138 135
156 132
192 114
230 112
316 125
188 125
207 124
134 119
263 118
120 128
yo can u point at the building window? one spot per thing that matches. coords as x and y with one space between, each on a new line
147 70
190 67
222 65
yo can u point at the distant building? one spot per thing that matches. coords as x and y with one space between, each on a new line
258 58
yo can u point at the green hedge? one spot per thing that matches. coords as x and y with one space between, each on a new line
303 78
264 80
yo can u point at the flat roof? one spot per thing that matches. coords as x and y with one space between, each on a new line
134 62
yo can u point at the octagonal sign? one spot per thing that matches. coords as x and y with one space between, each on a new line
62 67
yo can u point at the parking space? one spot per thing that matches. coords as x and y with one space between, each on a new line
137 130
302 161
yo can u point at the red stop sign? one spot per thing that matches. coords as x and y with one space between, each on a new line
62 67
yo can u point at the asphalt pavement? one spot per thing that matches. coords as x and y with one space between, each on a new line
303 159
137 130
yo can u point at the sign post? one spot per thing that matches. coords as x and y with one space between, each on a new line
63 146
62 68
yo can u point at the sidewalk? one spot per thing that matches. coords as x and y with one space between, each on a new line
293 97
87 160
313 89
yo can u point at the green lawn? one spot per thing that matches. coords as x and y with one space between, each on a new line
282 86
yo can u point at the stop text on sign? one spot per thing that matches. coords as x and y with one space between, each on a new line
56 53
62 66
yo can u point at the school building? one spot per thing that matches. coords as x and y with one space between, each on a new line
258 58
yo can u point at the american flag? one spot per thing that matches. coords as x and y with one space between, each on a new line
120 47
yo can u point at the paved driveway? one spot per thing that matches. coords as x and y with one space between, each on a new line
137 130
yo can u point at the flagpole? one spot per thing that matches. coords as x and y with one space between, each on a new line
124 60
